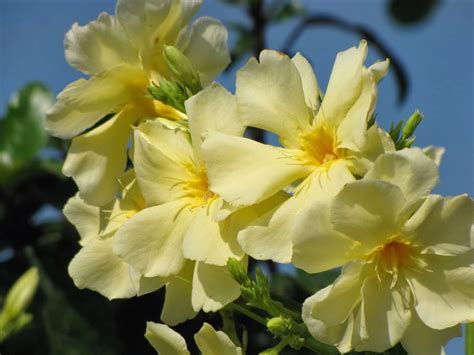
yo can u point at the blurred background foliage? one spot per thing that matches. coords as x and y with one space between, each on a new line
68 321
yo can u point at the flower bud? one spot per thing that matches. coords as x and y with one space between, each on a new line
237 270
21 293
181 68
277 326
412 123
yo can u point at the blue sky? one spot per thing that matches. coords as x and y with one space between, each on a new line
437 54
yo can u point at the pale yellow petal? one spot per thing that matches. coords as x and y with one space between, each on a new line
271 97
443 225
85 217
350 97
144 285
151 240
211 342
256 216
142 18
309 81
161 160
178 307
165 340
96 267
245 172
213 287
151 24
444 297
203 240
419 339
378 143
84 102
385 312
316 245
207 48
434 153
213 109
370 221
100 45
329 314
97 158
410 169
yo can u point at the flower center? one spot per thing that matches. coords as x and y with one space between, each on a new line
392 257
318 144
198 188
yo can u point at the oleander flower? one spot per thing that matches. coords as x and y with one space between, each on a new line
191 288
408 272
324 143
123 54
185 220
209 341
95 266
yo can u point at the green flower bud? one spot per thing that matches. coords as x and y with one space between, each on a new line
181 69
237 270
278 326
412 123
21 294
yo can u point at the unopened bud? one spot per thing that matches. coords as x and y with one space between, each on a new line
237 270
412 123
277 326
181 69
21 293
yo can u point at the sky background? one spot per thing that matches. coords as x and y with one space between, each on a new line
436 53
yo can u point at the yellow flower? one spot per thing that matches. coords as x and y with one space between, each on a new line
324 143
192 287
209 341
407 260
184 219
123 56
95 266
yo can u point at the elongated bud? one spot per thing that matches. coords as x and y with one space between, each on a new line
182 69
237 270
412 123
21 293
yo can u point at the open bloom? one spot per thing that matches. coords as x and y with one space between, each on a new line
407 260
98 268
209 341
324 143
123 56
186 221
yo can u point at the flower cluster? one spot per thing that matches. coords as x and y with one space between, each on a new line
170 188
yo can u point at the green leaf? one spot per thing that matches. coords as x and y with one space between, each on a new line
67 331
22 132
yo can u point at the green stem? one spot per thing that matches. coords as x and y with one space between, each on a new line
469 340
229 325
309 342
248 313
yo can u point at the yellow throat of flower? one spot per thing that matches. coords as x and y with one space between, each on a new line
392 257
197 188
319 147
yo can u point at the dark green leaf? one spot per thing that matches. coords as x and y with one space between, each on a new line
22 132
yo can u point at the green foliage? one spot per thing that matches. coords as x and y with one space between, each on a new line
182 70
403 136
170 92
22 133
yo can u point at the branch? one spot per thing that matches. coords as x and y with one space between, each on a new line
364 32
